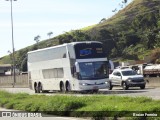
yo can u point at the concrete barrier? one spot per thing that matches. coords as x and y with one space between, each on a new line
22 81
8 81
153 81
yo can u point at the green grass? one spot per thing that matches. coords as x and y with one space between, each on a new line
88 28
92 106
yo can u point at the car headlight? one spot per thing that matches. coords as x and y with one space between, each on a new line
106 82
129 80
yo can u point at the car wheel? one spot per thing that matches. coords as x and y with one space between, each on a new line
125 86
142 87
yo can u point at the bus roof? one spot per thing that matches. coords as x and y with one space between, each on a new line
65 44
74 43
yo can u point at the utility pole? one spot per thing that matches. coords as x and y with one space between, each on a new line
14 74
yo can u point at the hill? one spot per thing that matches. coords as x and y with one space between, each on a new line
130 34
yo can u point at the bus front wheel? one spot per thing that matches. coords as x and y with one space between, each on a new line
110 86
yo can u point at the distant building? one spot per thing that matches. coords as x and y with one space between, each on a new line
4 68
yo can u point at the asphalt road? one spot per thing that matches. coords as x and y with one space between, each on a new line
152 92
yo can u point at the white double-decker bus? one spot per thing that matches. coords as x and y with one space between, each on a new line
76 66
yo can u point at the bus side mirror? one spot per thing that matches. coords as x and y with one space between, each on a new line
77 67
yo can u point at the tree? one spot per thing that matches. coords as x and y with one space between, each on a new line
124 1
155 55
102 20
22 54
106 38
78 35
24 65
37 39
114 10
49 34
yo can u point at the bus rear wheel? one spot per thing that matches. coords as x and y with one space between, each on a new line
68 87
39 88
62 89
35 87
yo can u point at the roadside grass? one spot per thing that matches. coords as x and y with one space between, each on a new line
90 106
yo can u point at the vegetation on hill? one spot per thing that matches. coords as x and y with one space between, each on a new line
130 34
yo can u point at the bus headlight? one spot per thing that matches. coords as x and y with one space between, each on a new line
83 84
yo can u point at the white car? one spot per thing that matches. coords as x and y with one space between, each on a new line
126 78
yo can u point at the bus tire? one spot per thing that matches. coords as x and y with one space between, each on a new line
68 87
95 91
35 87
62 88
45 91
110 86
39 87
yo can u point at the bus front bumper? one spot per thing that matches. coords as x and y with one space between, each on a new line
92 86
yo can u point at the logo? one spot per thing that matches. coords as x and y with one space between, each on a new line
6 114
20 114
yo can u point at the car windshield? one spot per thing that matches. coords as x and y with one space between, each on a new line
129 73
93 70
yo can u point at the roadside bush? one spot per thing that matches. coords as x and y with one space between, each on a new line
155 55
96 106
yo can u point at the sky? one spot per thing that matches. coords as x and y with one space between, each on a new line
39 17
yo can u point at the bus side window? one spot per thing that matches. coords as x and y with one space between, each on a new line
64 55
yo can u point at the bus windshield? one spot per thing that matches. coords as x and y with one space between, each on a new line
93 70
